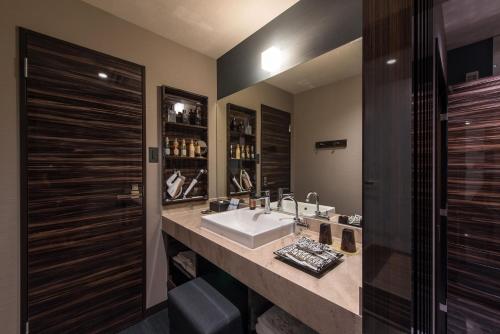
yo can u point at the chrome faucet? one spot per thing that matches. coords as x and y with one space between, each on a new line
281 193
296 219
267 201
316 197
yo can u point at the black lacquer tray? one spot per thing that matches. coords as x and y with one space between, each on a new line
310 256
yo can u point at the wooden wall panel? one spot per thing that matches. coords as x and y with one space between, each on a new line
275 150
83 140
474 207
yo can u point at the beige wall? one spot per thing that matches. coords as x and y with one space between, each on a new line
166 63
252 97
328 113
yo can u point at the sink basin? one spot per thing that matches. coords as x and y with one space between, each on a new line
305 209
251 228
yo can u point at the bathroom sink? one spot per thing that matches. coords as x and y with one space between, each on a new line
251 228
305 209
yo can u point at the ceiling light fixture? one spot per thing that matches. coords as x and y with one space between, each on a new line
102 75
271 59
391 61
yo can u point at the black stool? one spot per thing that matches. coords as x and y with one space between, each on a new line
197 308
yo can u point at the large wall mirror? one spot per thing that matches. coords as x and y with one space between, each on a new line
298 132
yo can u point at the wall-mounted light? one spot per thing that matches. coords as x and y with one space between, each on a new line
271 59
102 75
179 107
467 123
391 61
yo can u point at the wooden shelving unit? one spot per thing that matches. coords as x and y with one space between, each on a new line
196 129
239 134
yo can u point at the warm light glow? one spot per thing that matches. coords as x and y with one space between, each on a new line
102 75
271 59
391 61
467 123
179 107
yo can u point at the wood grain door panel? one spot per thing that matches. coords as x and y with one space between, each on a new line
84 149
275 150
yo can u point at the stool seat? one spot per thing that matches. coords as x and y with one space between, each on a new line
197 308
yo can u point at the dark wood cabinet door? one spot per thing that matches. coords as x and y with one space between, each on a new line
83 176
275 150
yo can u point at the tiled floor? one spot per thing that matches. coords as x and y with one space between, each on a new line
154 324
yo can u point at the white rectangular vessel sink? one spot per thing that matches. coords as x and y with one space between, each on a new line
251 228
305 209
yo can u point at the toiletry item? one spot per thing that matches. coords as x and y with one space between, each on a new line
242 154
348 243
252 202
194 182
176 188
183 148
171 117
237 154
178 117
247 151
197 149
245 180
232 125
176 148
167 147
235 182
191 149
234 203
241 127
185 117
219 205
248 129
192 117
252 154
197 118
231 156
325 233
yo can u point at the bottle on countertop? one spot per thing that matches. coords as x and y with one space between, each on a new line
183 148
191 149
176 147
237 154
253 201
167 147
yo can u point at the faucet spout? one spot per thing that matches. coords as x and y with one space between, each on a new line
316 197
297 219
267 201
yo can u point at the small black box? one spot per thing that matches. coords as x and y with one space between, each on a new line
219 206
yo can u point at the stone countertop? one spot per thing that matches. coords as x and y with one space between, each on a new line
330 304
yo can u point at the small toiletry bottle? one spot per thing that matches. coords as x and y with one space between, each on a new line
185 117
253 202
242 152
247 150
232 125
198 116
197 149
171 114
231 156
238 152
248 129
252 154
178 117
191 149
167 147
183 148
192 117
176 148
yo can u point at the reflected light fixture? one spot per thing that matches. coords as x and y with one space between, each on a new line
179 107
102 75
391 61
467 123
271 59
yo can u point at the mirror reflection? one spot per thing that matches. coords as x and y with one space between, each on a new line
297 135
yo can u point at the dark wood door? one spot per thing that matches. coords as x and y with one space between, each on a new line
275 150
83 178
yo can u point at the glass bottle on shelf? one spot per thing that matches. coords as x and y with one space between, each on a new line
243 155
185 117
248 129
171 114
191 149
237 154
232 125
197 119
231 156
192 117
247 151
197 149
252 154
178 117
176 148
183 148
167 147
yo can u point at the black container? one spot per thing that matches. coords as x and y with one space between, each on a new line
219 206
